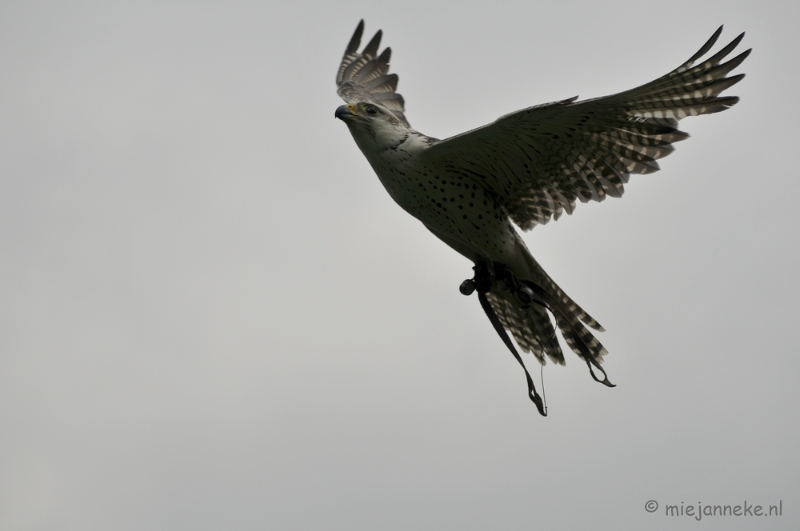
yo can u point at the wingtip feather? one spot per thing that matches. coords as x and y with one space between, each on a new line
355 40
720 55
706 47
371 49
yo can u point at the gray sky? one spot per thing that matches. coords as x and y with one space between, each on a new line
214 317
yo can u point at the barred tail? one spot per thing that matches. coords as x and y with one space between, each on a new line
531 325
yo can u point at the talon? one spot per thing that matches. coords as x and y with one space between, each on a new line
467 287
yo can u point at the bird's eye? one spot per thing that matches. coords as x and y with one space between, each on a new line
371 109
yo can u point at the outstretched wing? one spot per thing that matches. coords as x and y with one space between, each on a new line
364 77
539 160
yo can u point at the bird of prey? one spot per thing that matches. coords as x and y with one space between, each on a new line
524 169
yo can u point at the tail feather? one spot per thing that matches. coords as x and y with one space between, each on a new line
538 275
531 326
532 329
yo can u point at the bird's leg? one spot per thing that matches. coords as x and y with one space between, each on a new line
527 292
482 283
520 290
504 274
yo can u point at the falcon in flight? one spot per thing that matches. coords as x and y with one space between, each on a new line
524 169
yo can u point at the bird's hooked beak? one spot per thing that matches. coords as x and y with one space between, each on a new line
343 112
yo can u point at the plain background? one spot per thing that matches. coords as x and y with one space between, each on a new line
212 316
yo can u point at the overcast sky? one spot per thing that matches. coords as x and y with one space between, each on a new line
212 315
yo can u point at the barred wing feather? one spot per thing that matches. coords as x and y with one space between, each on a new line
364 76
539 160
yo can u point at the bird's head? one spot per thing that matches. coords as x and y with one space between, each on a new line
373 126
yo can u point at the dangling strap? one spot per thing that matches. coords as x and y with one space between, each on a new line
538 291
498 327
604 381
